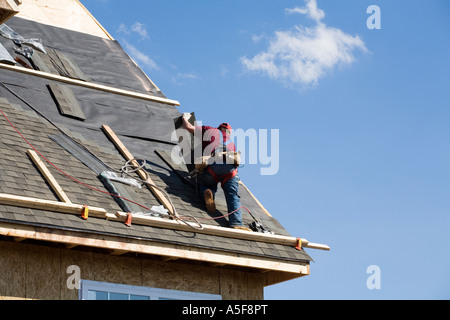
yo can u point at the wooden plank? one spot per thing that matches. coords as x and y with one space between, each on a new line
142 174
220 231
48 176
62 207
90 85
118 252
151 248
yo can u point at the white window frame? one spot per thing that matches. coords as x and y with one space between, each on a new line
152 293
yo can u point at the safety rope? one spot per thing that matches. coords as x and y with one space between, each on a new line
125 170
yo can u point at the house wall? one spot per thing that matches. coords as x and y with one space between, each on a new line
30 271
67 14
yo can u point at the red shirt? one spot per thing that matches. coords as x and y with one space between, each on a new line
211 139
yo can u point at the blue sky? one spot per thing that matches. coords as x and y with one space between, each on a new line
363 117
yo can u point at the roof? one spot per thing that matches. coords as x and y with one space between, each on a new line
63 121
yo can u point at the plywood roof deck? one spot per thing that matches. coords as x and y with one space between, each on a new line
71 15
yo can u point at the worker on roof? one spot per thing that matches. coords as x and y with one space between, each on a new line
220 166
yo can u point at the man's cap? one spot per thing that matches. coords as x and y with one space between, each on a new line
226 126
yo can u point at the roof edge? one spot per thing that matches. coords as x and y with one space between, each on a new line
95 20
118 245
61 207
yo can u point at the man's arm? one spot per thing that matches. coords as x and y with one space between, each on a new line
186 125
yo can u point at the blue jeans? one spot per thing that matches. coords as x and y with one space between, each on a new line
230 189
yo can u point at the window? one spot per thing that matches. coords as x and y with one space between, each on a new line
92 290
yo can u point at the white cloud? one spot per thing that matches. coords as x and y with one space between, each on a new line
303 55
180 78
135 53
139 56
311 10
186 76
139 28
123 29
257 38
223 70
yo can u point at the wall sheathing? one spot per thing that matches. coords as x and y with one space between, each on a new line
38 272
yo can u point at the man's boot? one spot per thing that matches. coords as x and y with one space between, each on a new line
209 201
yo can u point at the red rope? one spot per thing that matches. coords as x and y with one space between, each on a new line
62 172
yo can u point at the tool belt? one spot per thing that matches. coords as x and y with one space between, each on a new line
228 157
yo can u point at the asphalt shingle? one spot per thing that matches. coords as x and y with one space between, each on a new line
19 176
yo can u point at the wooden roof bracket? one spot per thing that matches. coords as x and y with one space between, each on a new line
55 206
142 174
90 85
48 177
